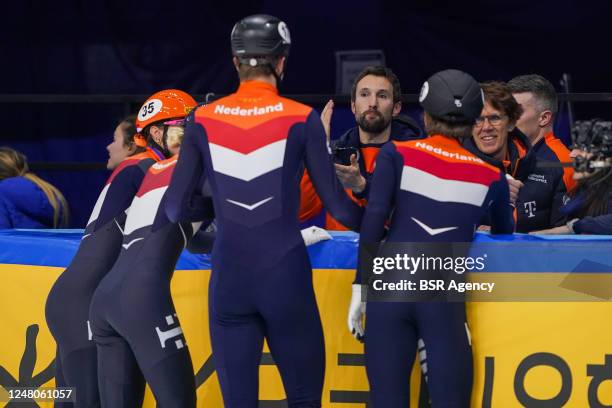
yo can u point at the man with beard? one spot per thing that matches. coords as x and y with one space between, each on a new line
376 104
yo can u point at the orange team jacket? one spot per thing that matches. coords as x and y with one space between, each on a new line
310 203
403 128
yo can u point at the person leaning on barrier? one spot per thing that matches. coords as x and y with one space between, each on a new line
133 300
496 140
376 104
26 200
429 191
543 192
67 307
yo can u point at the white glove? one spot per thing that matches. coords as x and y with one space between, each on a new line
312 235
356 312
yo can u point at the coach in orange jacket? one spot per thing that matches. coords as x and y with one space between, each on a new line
376 104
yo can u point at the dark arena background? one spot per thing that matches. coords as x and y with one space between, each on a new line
539 315
71 69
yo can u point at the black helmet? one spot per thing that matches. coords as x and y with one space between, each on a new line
260 36
452 96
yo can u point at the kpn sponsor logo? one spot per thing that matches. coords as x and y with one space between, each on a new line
254 111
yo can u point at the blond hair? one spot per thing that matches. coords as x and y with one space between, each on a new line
174 136
15 164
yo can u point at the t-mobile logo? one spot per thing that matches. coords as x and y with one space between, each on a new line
530 208
174 332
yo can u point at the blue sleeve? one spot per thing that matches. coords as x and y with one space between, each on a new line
382 198
323 175
5 218
366 190
120 194
502 221
199 208
203 240
600 225
557 217
188 176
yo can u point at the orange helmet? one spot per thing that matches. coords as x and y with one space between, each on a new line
163 106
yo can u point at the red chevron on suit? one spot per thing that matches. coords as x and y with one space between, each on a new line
446 173
248 153
146 202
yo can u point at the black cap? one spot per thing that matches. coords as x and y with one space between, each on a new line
452 96
260 36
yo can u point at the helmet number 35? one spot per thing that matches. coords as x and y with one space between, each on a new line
150 109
